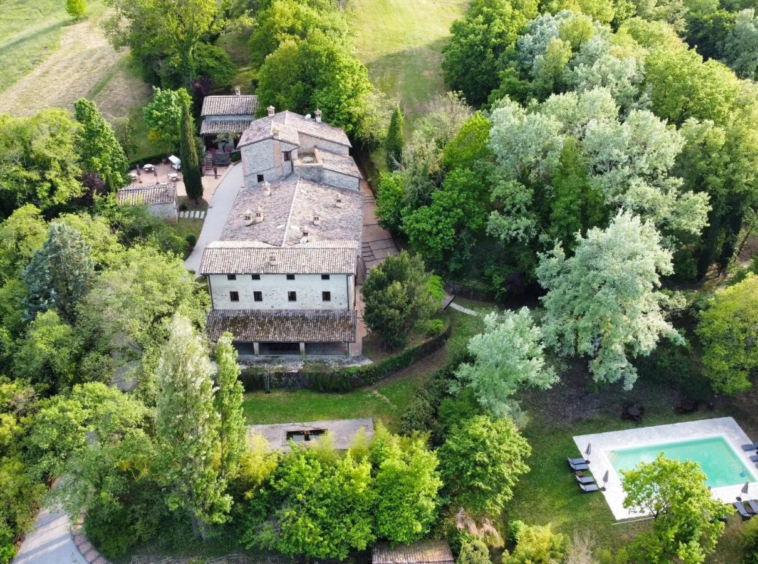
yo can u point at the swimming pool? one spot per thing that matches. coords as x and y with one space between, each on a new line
718 460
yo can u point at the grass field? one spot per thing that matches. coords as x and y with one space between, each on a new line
400 42
50 60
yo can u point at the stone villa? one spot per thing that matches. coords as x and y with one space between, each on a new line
160 199
223 114
282 277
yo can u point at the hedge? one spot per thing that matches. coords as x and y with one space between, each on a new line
323 378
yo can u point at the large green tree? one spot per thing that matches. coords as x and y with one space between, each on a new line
604 302
23 233
399 295
320 506
191 173
99 150
686 518
406 483
38 160
476 52
508 356
481 462
728 332
187 429
170 27
59 274
163 115
232 427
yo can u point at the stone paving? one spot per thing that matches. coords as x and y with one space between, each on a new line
377 241
51 542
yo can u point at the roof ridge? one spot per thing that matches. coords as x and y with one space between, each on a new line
292 207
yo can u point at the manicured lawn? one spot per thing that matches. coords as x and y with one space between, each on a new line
385 402
400 42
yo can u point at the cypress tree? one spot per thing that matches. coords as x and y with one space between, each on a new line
393 145
98 147
193 178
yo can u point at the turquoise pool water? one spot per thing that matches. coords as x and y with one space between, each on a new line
717 459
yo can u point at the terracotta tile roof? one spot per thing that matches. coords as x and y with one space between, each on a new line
292 205
212 127
249 257
424 552
230 105
289 122
284 326
147 195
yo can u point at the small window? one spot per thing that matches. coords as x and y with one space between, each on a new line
234 296
256 276
292 296
326 296
258 296
231 276
290 277
324 277
260 178
287 157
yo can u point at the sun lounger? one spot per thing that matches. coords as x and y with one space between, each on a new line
585 479
577 467
577 461
742 511
751 446
587 488
754 458
753 506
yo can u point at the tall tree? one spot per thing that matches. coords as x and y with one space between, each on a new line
399 294
508 355
393 144
59 274
686 518
38 161
193 176
232 427
406 485
98 148
163 115
604 301
741 46
169 27
728 333
24 232
187 429
476 52
481 462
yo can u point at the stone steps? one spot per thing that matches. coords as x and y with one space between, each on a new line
196 214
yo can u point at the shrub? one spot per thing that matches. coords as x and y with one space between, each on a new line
433 327
537 545
191 240
474 552
750 542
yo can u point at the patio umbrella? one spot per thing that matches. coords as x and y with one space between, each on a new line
589 449
605 478
745 487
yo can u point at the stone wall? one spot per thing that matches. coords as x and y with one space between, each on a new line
167 212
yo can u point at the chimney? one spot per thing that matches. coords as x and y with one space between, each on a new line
271 111
258 215
267 188
248 217
304 238
316 219
318 116
338 204
236 90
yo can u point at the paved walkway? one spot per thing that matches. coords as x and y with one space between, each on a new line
218 210
377 241
462 309
210 182
49 541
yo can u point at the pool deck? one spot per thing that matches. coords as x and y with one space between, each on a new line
603 443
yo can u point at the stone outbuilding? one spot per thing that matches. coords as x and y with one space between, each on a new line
227 114
423 552
160 199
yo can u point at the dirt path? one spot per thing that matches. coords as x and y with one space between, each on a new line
85 64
